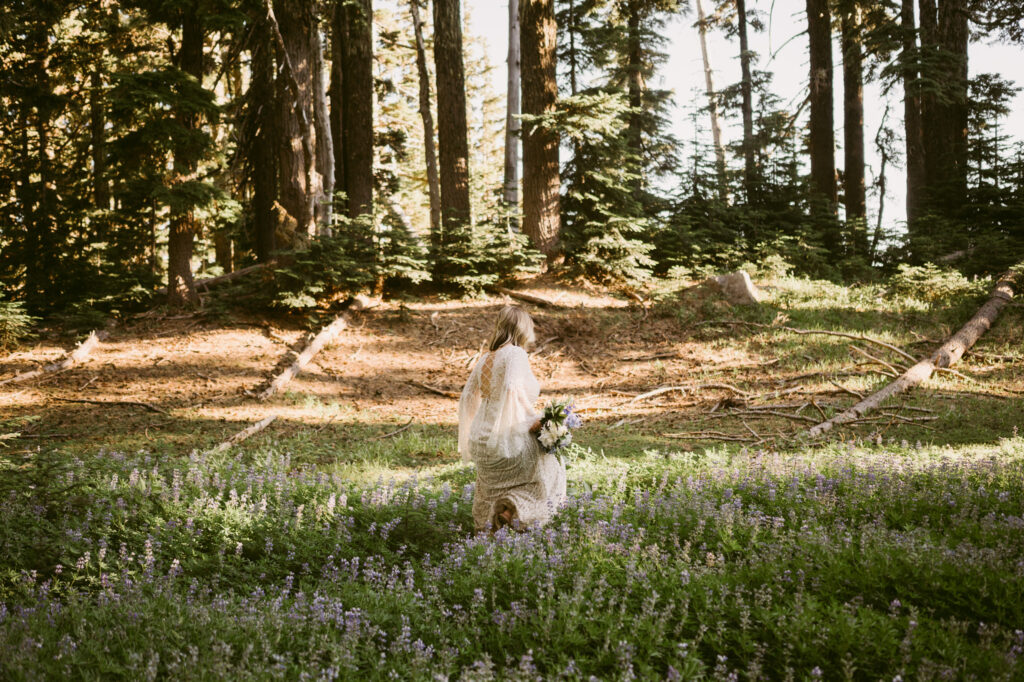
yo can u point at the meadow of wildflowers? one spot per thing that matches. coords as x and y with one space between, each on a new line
887 561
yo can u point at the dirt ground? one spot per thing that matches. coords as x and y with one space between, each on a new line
190 381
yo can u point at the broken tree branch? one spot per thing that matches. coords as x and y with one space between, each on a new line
325 336
529 298
691 387
947 354
208 282
435 389
395 432
133 403
75 357
244 434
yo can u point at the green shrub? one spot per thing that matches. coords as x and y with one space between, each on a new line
15 323
933 284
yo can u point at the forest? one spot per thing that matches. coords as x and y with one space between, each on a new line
252 255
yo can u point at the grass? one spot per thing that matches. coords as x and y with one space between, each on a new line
328 552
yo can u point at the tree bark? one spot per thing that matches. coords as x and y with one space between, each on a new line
324 209
98 147
635 91
709 88
429 150
452 132
336 93
912 115
931 141
181 291
951 112
512 122
292 24
746 86
822 134
264 150
541 201
946 356
357 103
853 131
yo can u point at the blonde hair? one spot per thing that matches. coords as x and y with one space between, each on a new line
514 325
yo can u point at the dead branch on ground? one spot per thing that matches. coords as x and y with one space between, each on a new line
435 389
325 336
529 298
244 434
75 357
132 403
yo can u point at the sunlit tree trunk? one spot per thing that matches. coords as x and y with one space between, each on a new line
300 183
746 87
181 289
541 202
452 132
709 87
324 142
853 131
912 115
430 151
512 123
356 18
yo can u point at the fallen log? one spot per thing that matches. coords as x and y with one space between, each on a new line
208 282
529 298
76 357
948 354
244 434
325 336
435 389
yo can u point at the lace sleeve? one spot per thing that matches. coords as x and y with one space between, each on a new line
469 403
516 393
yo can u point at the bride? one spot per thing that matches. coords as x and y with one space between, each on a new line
516 480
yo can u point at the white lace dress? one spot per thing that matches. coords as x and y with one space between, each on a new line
512 469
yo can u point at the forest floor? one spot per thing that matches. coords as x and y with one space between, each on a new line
176 383
702 538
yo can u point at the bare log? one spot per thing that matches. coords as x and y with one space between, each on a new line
75 357
435 389
948 354
244 434
529 298
208 282
325 336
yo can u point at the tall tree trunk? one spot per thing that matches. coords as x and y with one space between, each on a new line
952 110
430 152
931 139
264 151
293 21
512 123
709 86
853 131
336 93
746 87
181 290
324 142
822 134
912 116
635 91
452 132
541 201
357 103
98 135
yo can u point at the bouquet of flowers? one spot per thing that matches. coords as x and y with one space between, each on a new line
556 425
